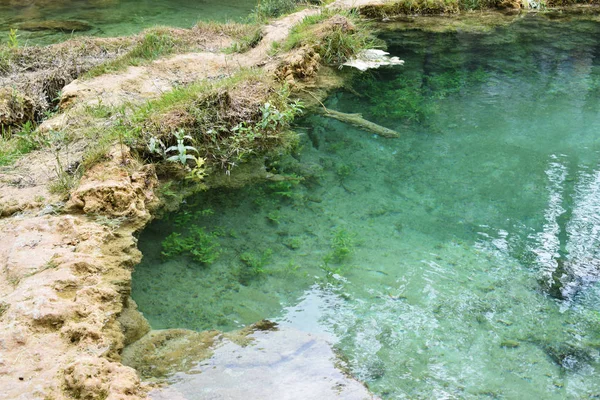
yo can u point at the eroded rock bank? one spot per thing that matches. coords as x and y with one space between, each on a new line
65 279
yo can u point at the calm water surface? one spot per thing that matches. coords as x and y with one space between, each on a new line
109 17
458 261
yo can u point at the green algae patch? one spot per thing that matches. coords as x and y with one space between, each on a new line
510 344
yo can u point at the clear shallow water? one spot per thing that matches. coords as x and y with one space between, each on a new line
111 17
456 230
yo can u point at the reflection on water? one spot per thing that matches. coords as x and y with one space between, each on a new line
48 21
456 232
567 249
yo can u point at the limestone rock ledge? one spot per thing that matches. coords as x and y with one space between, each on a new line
64 280
258 362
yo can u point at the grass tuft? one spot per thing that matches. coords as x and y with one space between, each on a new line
335 36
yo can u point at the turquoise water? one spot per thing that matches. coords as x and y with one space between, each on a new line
110 17
457 261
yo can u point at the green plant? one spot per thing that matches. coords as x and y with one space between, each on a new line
66 175
28 136
201 119
275 48
198 244
198 173
266 9
256 262
285 188
292 243
274 217
182 150
342 246
13 38
330 269
156 146
343 171
185 218
336 36
166 191
153 44
246 43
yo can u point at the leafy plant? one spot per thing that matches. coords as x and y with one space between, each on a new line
198 173
274 217
198 244
182 149
285 188
293 243
185 218
13 38
156 146
342 246
256 262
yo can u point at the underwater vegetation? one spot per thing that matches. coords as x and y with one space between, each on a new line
200 246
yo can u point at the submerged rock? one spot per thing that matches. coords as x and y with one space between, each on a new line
162 352
274 364
56 26
568 277
567 355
